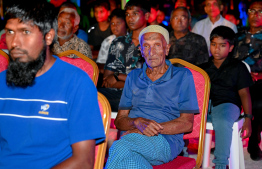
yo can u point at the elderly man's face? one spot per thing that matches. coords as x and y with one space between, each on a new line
66 27
154 49
180 20
255 18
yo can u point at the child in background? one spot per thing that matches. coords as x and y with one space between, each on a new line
230 82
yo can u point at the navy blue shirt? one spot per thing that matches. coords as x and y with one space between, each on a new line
161 100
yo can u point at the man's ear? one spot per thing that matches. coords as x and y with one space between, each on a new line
147 15
205 9
49 37
221 7
167 48
75 28
231 48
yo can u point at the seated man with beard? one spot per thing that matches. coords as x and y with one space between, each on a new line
46 121
68 24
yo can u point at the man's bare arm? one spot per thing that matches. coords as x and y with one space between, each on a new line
183 124
83 156
145 126
109 80
247 107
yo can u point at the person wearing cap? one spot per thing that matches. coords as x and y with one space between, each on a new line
157 106
68 23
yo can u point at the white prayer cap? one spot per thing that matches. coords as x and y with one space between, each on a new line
157 29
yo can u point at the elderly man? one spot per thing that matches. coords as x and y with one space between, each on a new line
68 23
157 106
186 45
49 114
214 19
248 48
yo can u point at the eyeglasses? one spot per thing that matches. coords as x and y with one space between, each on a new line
253 11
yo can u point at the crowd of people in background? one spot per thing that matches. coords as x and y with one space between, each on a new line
215 35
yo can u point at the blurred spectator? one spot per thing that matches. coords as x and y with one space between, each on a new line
248 48
152 20
124 54
186 45
100 30
119 28
214 19
80 33
68 21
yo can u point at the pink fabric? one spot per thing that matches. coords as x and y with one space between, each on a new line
82 64
3 63
178 163
3 42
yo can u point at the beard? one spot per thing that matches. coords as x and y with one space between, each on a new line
22 74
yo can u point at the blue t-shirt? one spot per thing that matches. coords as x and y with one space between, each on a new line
38 124
162 100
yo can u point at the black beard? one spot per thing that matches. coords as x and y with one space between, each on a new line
22 74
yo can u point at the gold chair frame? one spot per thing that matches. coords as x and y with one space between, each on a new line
100 158
80 55
202 131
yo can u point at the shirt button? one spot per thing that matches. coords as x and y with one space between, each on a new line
251 36
250 44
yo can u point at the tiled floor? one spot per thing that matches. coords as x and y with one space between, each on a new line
249 164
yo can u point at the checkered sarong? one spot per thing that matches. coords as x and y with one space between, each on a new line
138 152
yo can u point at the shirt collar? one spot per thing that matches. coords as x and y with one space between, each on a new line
168 74
72 40
220 20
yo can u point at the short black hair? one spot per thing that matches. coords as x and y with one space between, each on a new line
223 32
41 13
142 4
119 13
183 8
103 3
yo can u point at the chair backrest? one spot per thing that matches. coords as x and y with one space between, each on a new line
105 110
83 62
4 59
202 85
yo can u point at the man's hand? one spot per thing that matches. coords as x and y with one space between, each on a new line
246 127
109 81
147 127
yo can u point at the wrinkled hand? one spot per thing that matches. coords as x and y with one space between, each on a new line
109 81
246 127
148 127
131 131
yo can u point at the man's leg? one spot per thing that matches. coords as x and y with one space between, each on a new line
139 152
113 96
223 117
254 139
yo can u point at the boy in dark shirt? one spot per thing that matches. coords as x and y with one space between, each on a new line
230 82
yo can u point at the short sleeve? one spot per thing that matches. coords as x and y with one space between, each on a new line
85 122
244 77
111 58
187 95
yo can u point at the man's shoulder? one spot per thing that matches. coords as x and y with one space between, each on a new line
196 36
200 22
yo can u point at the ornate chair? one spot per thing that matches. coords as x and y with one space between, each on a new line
105 110
202 85
4 59
83 62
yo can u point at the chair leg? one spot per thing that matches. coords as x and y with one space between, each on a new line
207 147
241 152
234 151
